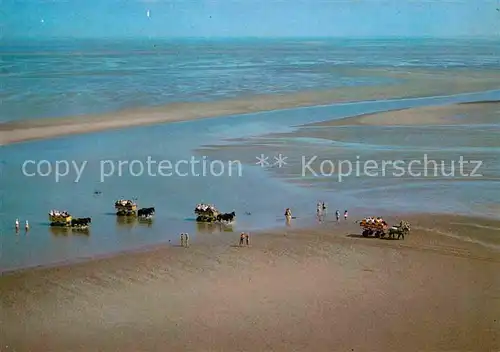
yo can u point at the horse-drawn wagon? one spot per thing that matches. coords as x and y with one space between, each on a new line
64 219
209 213
59 218
206 213
379 228
125 207
373 227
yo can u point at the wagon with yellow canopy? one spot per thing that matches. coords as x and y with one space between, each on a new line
60 218
125 207
373 226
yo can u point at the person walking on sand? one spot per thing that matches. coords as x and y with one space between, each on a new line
337 215
345 215
186 239
182 239
17 225
247 238
242 238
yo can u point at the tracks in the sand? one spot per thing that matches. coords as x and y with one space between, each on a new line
437 249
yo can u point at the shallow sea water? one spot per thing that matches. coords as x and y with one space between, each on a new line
79 77
256 191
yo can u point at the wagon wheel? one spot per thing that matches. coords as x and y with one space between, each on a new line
365 233
368 232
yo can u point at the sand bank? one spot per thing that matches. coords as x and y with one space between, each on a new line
456 114
443 134
321 289
417 83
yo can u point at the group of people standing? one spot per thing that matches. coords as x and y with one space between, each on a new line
63 213
321 212
26 225
337 215
184 239
244 237
205 207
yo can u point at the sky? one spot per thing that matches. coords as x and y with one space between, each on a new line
248 18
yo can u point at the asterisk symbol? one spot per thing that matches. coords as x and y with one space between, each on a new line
262 160
280 160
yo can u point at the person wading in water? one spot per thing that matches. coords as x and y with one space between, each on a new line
288 215
319 211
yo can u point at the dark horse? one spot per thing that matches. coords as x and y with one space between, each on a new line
146 212
229 217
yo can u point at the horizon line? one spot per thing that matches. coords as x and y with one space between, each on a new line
493 36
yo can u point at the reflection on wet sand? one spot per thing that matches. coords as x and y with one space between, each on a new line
205 227
126 221
132 221
66 231
82 232
59 231
145 222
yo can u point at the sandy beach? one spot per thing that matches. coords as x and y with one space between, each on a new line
414 83
249 109
321 288
318 289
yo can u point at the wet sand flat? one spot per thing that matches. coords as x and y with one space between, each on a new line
315 289
467 113
444 157
416 83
